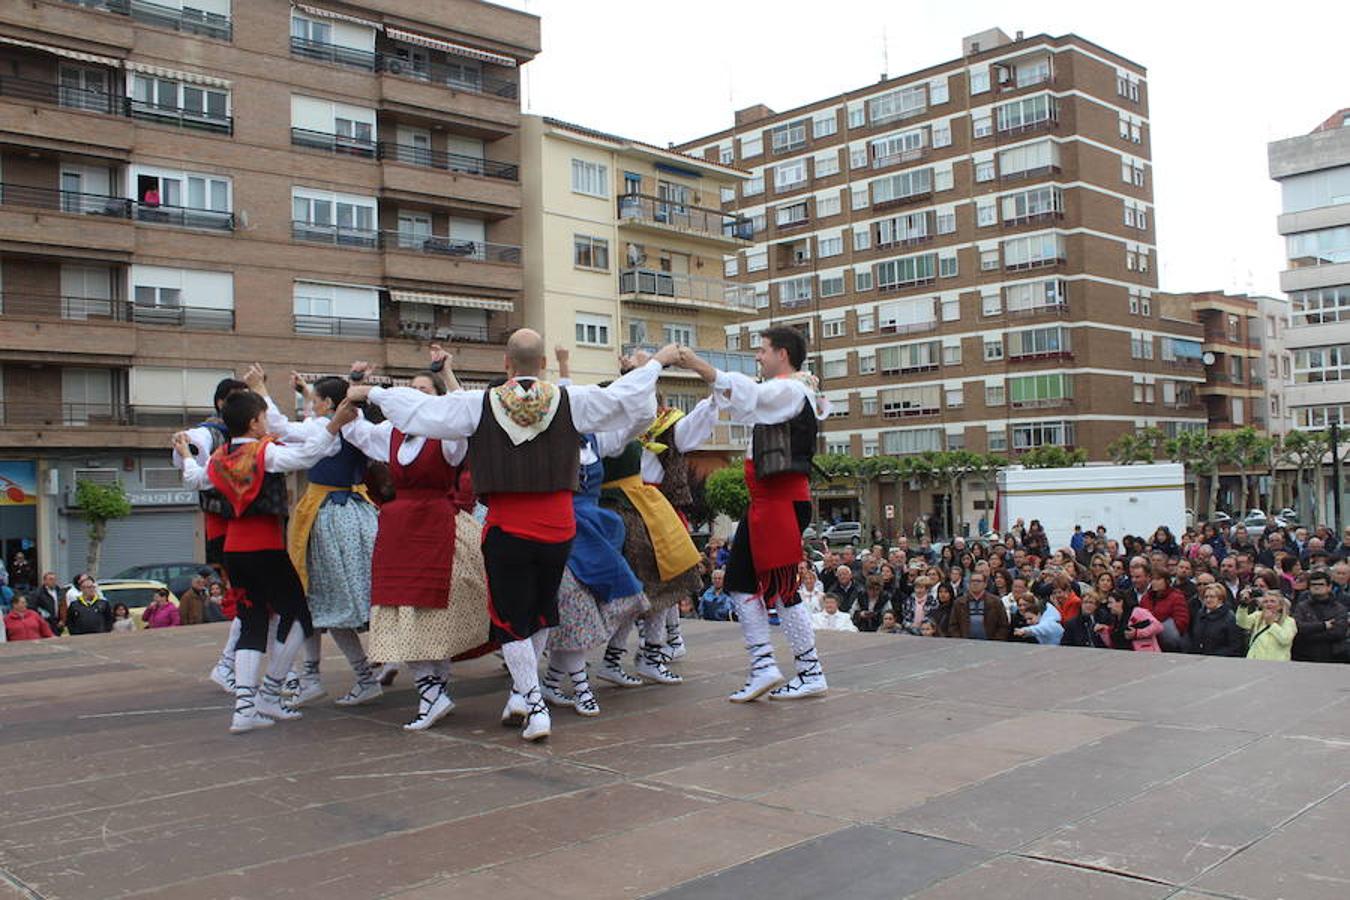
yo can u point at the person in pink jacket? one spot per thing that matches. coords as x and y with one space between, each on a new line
1138 627
161 613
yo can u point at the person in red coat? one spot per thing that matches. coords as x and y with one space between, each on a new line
1168 605
22 624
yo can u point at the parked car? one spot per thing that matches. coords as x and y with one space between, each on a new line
844 533
1218 519
136 593
177 575
1255 518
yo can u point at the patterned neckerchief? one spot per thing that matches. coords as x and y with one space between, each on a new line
526 405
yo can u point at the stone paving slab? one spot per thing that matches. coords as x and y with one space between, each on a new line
934 768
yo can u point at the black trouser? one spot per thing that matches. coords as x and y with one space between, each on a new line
522 580
269 585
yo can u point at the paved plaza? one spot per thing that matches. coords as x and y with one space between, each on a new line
934 768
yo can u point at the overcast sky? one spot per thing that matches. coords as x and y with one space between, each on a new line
1222 83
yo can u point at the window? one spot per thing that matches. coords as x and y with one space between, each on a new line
1034 72
1050 389
991 302
589 178
1320 365
590 252
1028 159
831 286
824 124
1052 341
832 328
981 125
1324 187
951 354
837 368
858 196
734 341
994 395
1036 250
954 397
912 440
827 205
752 186
637 331
909 358
678 333
946 221
956 440
897 403
757 222
1029 205
1040 434
1136 215
826 163
791 214
332 309
895 148
1026 112
794 290
1141 347
984 171
592 329
1324 246
979 81
901 229
898 104
988 260
1131 259
862 239
986 212
761 296
86 393
895 273
726 155
867 365
788 137
947 267
1035 295
862 280
902 185
205 299
152 95
726 194
789 175
1143 260
842 448
1144 392
997 439
335 218
751 145
951 312
729 266
857 115
937 91
160 297
867 321
993 350
942 178
757 261
942 134
1319 306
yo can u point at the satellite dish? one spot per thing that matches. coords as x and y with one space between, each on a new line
1208 358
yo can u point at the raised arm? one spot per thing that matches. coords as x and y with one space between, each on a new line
318 443
770 402
448 417
370 439
196 447
625 402
696 428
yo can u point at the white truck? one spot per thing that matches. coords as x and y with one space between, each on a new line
1126 499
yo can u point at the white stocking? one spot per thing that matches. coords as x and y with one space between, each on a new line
227 652
540 640
755 629
797 626
654 630
349 642
313 654
524 665
281 655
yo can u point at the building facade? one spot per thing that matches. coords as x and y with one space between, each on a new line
1313 172
1234 390
185 188
629 250
970 251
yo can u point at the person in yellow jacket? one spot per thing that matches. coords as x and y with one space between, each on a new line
1269 626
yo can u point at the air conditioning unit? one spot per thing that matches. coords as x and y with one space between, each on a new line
394 67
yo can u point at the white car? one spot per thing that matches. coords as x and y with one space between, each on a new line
844 533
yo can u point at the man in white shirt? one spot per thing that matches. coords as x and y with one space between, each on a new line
831 619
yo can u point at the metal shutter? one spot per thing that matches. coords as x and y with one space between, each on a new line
147 536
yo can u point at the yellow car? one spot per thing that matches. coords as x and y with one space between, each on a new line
136 594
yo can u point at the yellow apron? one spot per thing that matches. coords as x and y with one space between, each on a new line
302 522
675 551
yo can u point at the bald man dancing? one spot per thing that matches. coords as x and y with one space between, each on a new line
524 453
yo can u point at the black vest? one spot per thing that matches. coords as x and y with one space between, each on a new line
548 462
786 447
270 501
210 499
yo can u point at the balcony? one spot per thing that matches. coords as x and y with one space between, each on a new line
725 360
50 221
905 156
177 117
668 287
907 200
1051 215
188 21
1034 264
906 327
334 326
1184 363
442 245
445 75
181 216
1026 128
657 214
795 303
59 95
449 162
1040 403
321 51
337 235
103 311
1029 174
889 411
1056 310
459 333
40 414
337 144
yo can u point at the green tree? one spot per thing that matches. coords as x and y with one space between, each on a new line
100 504
726 492
1249 449
1219 450
1052 457
872 470
917 469
1305 451
1189 449
987 466
1140 446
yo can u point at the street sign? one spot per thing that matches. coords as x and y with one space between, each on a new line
890 511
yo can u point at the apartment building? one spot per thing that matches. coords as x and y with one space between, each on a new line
631 249
188 186
970 251
1234 390
1313 171
1277 362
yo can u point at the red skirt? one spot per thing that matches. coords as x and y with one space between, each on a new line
775 533
414 550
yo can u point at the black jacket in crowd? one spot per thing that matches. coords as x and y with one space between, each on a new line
89 618
1079 631
1314 641
1217 633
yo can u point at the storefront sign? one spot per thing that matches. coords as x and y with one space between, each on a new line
18 482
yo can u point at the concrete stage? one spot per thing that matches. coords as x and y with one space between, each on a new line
936 768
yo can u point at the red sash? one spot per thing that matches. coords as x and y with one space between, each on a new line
775 538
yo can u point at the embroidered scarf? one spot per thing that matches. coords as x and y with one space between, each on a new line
665 420
238 474
524 410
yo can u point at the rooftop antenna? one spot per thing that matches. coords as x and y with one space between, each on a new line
885 55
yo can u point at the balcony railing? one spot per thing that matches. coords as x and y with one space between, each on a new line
322 51
335 326
907 327
1058 310
431 331
726 360
711 222
1048 215
452 77
187 20
650 283
182 216
439 245
338 235
912 155
450 162
59 95
1184 362
1035 264
64 201
56 306
192 317
1040 403
1049 124
38 413
177 116
333 143
795 302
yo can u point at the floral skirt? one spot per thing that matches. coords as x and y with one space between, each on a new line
583 622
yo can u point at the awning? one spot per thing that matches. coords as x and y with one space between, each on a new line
488 56
175 74
62 51
452 300
382 380
341 17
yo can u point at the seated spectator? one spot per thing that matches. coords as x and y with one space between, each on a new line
122 621
918 607
832 619
161 613
1168 606
22 624
1270 629
810 589
928 628
889 624
1092 625
215 603
1043 624
867 614
688 608
979 615
1321 622
846 588
1214 631
716 604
